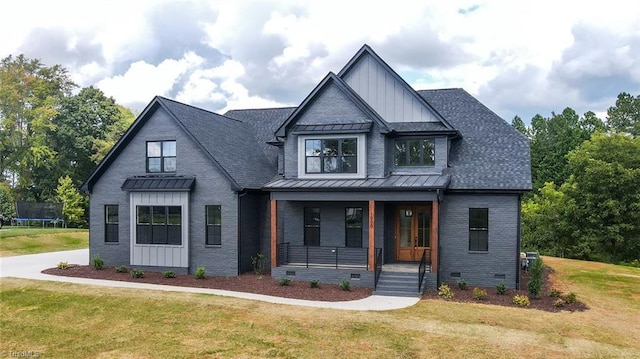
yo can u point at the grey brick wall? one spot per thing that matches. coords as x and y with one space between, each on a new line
331 276
211 188
479 268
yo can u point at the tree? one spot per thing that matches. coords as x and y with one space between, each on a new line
30 95
552 139
73 203
605 192
86 127
519 125
7 202
624 117
546 226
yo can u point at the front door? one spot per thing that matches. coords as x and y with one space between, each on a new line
412 232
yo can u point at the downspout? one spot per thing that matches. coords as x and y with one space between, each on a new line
240 195
518 242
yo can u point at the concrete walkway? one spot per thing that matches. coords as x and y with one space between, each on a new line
30 267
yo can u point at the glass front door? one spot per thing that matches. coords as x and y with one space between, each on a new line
412 232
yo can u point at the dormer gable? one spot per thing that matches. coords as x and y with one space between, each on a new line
327 103
385 91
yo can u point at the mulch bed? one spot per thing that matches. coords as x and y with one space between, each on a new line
252 283
544 302
248 283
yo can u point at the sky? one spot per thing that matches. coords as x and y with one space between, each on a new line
517 57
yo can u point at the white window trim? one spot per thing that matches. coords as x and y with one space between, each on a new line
362 157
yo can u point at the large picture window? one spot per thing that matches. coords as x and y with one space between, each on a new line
331 155
159 225
111 223
214 225
478 229
312 226
161 156
353 226
414 152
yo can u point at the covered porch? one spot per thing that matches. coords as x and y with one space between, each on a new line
397 227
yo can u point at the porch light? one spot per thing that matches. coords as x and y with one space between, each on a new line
408 213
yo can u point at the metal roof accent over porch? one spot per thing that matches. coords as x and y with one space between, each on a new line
165 183
332 128
395 187
393 182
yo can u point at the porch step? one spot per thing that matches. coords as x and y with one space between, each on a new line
398 283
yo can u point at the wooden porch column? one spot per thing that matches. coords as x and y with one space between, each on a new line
274 233
435 206
372 235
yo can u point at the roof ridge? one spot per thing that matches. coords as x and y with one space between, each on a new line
198 108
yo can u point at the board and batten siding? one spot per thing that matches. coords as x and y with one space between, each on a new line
385 93
159 255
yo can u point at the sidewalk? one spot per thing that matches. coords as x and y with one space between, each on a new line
30 266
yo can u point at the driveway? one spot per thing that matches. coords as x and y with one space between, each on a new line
30 267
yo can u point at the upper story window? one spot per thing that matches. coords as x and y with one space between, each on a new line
161 156
414 152
332 156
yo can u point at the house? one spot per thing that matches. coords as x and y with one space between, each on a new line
366 177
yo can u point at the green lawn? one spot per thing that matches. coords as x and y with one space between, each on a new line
24 240
74 321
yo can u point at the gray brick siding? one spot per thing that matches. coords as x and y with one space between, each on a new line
479 268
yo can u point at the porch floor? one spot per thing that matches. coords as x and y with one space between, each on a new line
403 267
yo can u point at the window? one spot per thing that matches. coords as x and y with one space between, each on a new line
111 223
331 155
414 152
353 227
214 225
311 226
478 229
161 156
159 225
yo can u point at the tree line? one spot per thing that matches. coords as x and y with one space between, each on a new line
52 135
585 202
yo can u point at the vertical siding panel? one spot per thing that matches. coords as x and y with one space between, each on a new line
389 98
153 256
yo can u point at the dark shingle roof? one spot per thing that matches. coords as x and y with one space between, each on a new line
264 123
230 142
491 154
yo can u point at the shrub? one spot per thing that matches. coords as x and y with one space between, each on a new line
570 298
63 265
462 284
259 263
314 283
479 294
200 273
122 269
521 300
558 303
534 286
445 292
137 273
285 282
555 293
168 274
501 289
345 285
98 263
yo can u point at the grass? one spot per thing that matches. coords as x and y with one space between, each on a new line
21 240
67 320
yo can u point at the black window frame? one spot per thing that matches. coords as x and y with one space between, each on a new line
353 228
346 162
213 229
409 160
164 159
161 227
479 229
312 228
110 226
